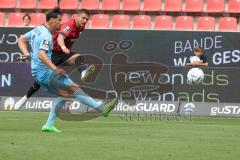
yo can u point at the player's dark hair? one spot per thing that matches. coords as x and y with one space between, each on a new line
84 11
53 13
26 15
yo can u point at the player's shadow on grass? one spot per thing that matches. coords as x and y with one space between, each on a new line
130 80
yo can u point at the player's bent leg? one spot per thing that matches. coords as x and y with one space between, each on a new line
34 88
86 99
75 59
78 62
103 109
63 82
50 83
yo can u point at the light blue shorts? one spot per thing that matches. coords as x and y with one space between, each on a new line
52 82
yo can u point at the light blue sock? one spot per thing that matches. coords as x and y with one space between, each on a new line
87 100
57 104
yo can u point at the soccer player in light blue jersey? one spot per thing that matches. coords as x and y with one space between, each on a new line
49 76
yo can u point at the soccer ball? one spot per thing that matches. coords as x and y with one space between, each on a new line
194 59
195 75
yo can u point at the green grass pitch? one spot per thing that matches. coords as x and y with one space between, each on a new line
114 138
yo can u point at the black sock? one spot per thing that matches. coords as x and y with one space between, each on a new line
34 88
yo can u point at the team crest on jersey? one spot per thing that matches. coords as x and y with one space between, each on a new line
45 44
66 29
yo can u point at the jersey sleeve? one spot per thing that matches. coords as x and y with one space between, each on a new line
45 43
65 30
28 35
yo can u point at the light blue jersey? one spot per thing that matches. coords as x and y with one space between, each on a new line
40 38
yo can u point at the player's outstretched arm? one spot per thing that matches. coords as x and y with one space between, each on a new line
43 57
61 43
23 43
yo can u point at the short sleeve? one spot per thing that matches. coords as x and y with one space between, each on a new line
65 30
45 43
28 35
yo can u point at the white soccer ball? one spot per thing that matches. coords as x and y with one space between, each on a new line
195 75
194 59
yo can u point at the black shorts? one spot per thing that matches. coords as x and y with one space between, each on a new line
60 57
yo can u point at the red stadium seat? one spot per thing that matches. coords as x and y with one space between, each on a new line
2 19
27 4
227 24
215 6
194 6
47 4
206 23
8 4
142 22
111 5
184 23
163 22
131 5
69 4
120 22
152 5
15 19
233 6
173 5
100 21
90 4
37 19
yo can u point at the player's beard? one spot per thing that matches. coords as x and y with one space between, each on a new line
82 25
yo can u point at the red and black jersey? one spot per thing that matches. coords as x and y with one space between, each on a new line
70 30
